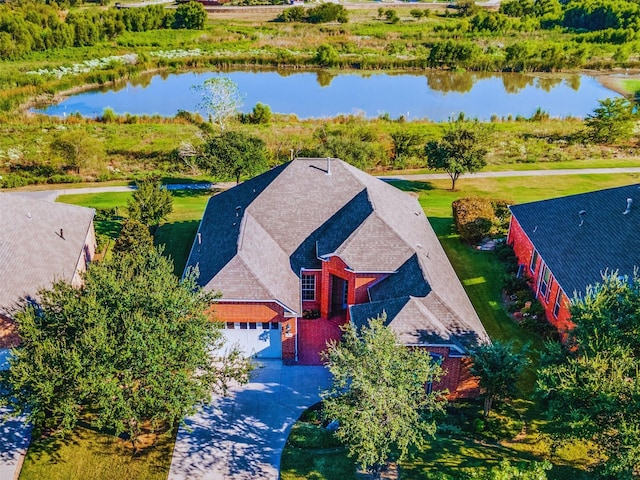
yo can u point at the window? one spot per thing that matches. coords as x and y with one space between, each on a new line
266 325
243 325
274 326
545 283
253 325
534 260
230 325
556 306
308 288
345 294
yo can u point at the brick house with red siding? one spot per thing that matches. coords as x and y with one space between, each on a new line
566 244
298 251
40 242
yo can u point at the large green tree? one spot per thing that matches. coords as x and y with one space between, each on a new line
613 120
190 15
233 154
133 348
461 150
378 394
592 388
150 204
498 368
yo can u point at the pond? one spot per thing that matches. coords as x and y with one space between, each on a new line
435 95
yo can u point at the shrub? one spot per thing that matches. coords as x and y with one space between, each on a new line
326 55
293 14
476 218
327 12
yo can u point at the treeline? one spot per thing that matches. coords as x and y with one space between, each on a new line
587 15
34 26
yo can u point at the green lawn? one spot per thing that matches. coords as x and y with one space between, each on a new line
87 454
176 234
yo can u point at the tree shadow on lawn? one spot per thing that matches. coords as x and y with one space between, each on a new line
413 186
177 238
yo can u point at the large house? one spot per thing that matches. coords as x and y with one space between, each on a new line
566 244
40 242
301 249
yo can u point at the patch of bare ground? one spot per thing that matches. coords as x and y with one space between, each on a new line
8 336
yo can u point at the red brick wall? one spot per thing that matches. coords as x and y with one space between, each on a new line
523 249
335 266
315 305
363 282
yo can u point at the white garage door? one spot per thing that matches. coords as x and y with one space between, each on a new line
260 340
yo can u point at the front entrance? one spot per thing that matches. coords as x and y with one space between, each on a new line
339 290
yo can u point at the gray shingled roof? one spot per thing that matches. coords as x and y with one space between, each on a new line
255 238
577 255
32 253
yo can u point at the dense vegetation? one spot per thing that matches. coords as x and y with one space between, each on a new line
35 26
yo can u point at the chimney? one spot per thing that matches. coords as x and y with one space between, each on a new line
328 166
61 234
629 202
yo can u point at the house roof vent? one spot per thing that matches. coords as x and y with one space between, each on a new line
629 202
581 214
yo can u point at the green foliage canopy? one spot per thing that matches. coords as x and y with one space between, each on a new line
378 394
232 155
461 150
131 349
498 368
150 203
613 120
592 389
190 15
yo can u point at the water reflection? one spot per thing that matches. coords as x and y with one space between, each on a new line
326 94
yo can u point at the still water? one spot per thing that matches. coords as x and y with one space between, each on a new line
434 95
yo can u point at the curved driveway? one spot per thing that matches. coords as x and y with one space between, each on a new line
241 436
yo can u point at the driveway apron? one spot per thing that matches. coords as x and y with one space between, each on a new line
241 436
15 436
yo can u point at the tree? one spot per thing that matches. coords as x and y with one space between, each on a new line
405 145
150 204
378 393
133 349
461 150
76 148
591 388
613 120
190 15
234 154
498 367
326 55
506 471
134 237
220 98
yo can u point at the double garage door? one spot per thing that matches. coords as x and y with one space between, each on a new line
259 340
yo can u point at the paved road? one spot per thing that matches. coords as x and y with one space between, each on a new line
15 436
241 436
51 195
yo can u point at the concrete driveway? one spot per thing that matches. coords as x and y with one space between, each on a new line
241 436
15 436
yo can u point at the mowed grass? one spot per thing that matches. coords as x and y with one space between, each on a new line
176 234
87 454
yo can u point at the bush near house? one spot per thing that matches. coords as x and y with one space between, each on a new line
476 218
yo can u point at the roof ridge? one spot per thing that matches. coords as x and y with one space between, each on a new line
426 311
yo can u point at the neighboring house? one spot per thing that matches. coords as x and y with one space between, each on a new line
300 250
566 244
40 242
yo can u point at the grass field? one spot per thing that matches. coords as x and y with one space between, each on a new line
176 234
86 454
